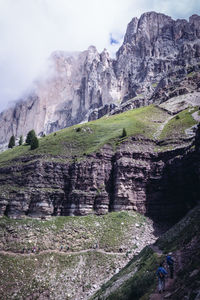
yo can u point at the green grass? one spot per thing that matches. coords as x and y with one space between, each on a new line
58 272
191 74
181 233
93 135
176 126
75 142
14 272
142 281
110 231
137 280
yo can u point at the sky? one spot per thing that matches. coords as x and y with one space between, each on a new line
30 30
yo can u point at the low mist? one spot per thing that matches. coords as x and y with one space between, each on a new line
31 30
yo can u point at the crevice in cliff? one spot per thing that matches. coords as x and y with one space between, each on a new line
67 203
6 213
110 187
172 194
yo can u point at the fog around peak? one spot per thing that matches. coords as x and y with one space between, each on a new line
31 30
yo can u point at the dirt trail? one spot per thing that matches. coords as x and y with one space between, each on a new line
61 252
188 131
191 131
169 283
160 128
165 295
156 295
156 249
196 116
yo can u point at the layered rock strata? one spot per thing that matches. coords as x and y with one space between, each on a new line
87 84
135 177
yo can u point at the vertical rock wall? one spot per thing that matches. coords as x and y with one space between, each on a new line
161 185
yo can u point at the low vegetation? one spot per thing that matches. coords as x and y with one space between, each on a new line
137 280
98 247
78 141
191 74
11 143
109 231
139 275
176 126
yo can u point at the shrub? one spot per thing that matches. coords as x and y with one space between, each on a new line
34 143
11 142
30 136
124 133
21 140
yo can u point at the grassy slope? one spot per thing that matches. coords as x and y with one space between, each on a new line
142 281
24 275
93 135
78 232
178 124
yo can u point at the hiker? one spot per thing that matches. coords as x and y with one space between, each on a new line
61 248
161 273
96 246
34 249
170 263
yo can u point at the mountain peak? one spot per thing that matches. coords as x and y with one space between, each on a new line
84 82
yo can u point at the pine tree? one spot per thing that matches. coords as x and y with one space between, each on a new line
34 143
21 140
11 142
30 136
124 133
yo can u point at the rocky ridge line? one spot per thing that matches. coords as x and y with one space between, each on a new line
87 85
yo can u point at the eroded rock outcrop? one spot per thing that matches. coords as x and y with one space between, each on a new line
135 177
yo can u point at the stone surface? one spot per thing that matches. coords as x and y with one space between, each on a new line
157 54
176 104
134 177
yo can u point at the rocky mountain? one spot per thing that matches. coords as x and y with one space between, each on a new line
156 51
92 168
141 164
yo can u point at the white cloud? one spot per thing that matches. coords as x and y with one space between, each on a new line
31 29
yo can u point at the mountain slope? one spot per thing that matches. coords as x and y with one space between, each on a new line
157 53
138 279
91 168
74 255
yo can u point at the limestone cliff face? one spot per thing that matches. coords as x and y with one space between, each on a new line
86 85
154 46
76 85
135 177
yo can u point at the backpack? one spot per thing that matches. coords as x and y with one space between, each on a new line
170 260
161 275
